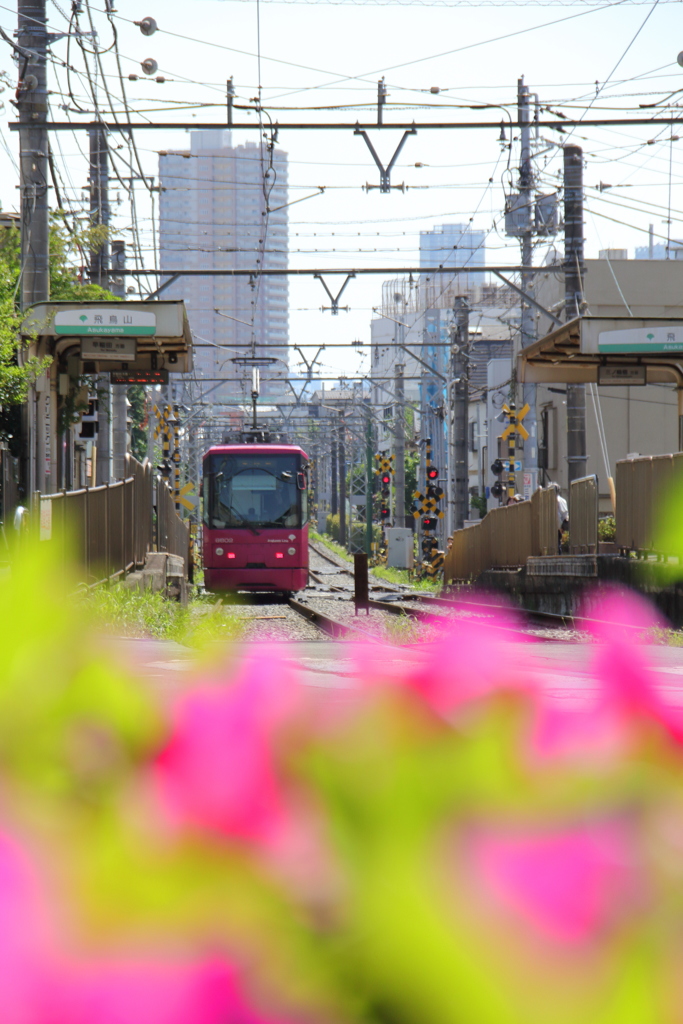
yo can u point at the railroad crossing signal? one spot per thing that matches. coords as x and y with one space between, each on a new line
385 470
186 499
515 425
384 464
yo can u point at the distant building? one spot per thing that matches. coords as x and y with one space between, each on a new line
672 250
212 216
453 245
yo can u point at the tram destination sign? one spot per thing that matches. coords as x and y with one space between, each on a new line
105 322
667 338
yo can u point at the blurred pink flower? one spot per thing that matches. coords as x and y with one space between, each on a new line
148 992
628 688
471 659
569 885
217 771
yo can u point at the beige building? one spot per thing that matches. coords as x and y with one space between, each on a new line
619 420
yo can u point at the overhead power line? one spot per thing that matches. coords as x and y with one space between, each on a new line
493 126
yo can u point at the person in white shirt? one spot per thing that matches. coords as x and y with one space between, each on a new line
562 515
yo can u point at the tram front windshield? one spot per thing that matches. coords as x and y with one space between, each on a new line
253 491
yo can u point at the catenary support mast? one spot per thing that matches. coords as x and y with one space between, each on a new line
458 498
35 237
573 285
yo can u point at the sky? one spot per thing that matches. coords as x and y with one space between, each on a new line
303 58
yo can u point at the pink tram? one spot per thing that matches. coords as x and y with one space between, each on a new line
255 517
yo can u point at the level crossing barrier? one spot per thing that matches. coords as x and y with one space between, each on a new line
583 516
505 537
108 530
642 485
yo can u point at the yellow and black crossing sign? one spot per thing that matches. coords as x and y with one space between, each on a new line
515 425
385 464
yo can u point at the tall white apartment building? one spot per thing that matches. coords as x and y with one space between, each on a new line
213 217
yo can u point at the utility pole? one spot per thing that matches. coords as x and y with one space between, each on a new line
527 319
109 459
573 302
342 479
370 476
117 286
334 500
399 429
458 497
35 227
399 445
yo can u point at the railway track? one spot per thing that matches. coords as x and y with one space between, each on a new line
325 609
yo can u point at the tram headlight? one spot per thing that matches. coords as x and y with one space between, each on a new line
291 551
219 551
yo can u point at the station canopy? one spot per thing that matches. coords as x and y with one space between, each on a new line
125 338
605 350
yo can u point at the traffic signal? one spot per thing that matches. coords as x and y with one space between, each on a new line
385 480
497 467
384 512
429 522
497 489
432 473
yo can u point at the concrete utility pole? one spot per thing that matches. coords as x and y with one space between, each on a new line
527 319
370 476
342 479
459 499
573 295
119 391
399 445
334 501
35 227
98 272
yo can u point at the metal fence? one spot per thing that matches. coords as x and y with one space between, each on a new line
505 538
173 535
583 516
641 486
108 530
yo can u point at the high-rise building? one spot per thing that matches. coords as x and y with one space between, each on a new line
454 245
213 215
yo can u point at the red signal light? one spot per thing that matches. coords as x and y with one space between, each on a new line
279 554
231 554
386 479
432 473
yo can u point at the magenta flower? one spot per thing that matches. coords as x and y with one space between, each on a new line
25 977
217 771
471 659
628 687
569 885
152 992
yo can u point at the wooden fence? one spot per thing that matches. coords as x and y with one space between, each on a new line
108 530
583 516
642 485
505 538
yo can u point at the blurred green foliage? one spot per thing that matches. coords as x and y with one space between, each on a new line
368 902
